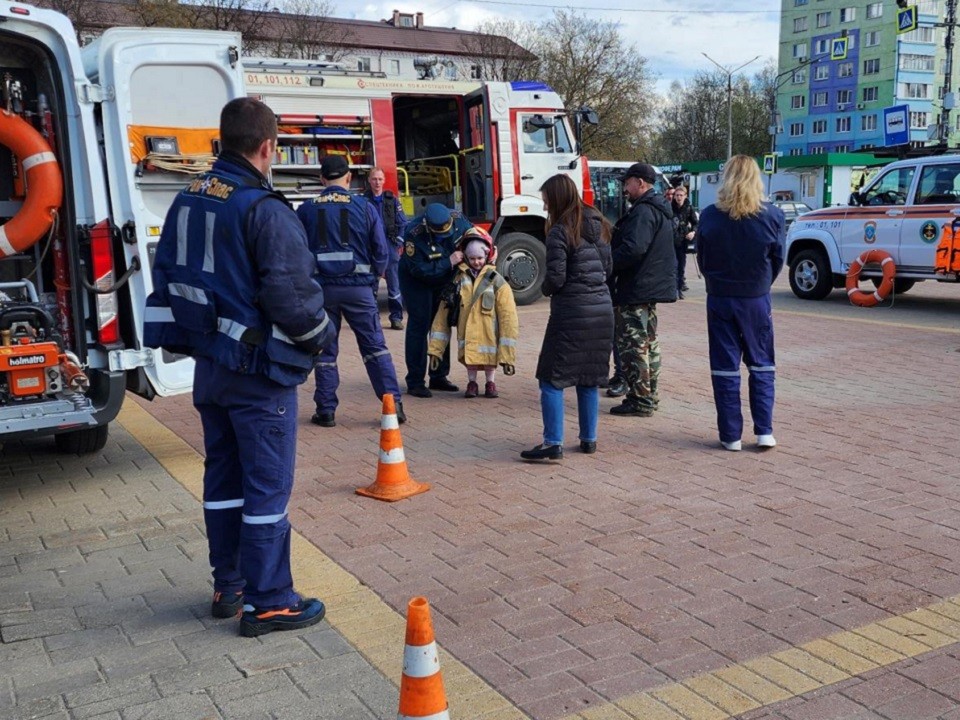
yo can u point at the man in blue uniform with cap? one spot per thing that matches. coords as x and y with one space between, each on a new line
233 288
346 234
429 262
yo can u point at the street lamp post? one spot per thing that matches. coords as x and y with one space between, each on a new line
729 73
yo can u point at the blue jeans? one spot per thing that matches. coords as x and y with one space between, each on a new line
551 405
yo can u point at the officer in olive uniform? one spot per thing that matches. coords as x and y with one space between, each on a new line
429 262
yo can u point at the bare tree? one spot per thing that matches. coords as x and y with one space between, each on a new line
162 13
87 16
503 49
304 29
586 62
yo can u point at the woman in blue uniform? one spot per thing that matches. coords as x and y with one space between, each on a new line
740 243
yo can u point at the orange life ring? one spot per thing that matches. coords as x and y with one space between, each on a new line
43 181
865 299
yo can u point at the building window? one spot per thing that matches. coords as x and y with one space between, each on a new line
820 98
798 3
870 94
800 50
823 19
867 146
819 127
871 39
842 148
822 72
820 47
874 10
917 62
451 72
796 129
798 102
848 14
799 77
868 122
816 150
796 151
476 72
363 64
918 120
920 35
845 69
800 24
394 67
871 67
844 97
406 21
913 91
843 124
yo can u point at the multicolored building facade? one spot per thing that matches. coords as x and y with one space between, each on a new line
842 62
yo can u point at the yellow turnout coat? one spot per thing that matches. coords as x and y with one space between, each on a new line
488 327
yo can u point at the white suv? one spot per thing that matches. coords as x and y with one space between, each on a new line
902 212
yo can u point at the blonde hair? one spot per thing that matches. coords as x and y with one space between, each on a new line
741 193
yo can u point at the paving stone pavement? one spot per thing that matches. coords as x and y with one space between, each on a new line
104 606
573 587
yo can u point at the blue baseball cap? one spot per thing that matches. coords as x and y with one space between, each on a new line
438 218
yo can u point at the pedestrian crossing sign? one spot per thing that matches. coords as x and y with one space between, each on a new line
838 49
907 19
770 163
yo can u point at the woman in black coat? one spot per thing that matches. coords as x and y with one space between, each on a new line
576 346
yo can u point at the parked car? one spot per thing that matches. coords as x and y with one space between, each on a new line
792 210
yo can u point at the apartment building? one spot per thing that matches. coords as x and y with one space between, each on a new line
848 63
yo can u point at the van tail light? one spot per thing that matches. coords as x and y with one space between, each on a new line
588 197
101 251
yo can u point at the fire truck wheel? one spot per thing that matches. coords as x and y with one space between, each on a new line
522 260
900 285
810 276
81 442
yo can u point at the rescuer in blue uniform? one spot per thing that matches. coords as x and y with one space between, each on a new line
428 263
346 235
394 223
233 288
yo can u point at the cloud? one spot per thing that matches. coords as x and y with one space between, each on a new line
672 42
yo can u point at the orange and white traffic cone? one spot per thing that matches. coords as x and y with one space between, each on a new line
421 685
393 479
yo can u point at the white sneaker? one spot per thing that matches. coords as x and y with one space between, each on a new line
765 442
733 446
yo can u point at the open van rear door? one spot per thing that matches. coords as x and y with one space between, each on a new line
161 91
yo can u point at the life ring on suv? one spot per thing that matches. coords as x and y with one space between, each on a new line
865 299
44 185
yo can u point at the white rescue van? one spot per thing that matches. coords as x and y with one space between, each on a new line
74 269
902 212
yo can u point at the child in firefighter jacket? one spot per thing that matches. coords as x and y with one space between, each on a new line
485 315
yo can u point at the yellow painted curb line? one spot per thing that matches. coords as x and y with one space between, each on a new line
368 623
782 675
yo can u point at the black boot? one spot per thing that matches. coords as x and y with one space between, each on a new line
543 452
617 387
443 385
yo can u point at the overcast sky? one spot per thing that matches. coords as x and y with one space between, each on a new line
671 35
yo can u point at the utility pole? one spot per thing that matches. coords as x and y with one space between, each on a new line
948 97
778 82
729 73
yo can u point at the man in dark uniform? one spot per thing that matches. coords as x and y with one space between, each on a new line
345 232
394 223
233 288
429 261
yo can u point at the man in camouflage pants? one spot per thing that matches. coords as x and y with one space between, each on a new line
644 274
